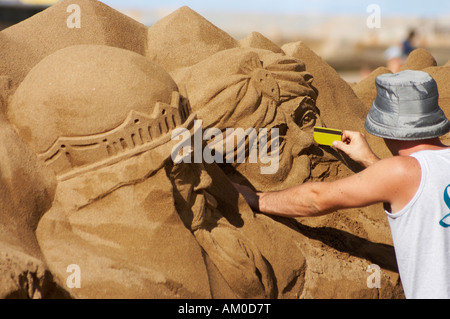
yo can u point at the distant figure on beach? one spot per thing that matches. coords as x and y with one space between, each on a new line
407 45
413 185
396 55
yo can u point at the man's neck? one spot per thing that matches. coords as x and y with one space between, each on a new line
407 148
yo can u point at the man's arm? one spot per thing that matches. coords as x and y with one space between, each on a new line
394 181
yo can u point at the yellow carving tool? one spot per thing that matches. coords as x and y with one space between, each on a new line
326 136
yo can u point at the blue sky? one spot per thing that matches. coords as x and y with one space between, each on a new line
427 8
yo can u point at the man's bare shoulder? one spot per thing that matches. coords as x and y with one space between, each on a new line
401 171
399 165
401 176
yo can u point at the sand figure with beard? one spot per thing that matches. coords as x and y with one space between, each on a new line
255 88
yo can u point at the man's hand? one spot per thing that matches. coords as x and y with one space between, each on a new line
250 196
355 145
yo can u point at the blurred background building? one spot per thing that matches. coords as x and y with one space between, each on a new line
338 31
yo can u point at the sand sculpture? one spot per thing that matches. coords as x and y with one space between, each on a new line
91 112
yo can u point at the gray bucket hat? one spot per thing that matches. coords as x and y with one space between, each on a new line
406 107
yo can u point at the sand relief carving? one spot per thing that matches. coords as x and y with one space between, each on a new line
95 171
138 133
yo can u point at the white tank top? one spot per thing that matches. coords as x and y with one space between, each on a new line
421 231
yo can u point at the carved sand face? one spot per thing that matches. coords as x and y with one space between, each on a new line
295 120
259 89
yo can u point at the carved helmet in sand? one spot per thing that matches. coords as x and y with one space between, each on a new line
88 106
